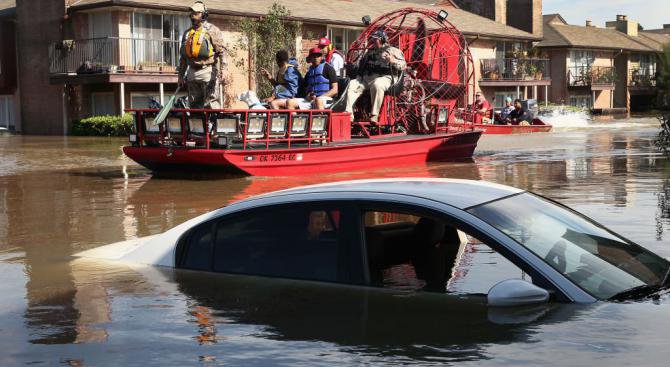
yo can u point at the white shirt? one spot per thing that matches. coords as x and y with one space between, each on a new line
337 62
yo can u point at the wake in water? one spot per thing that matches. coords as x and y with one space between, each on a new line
567 120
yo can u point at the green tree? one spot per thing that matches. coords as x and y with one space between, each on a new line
663 99
262 39
663 79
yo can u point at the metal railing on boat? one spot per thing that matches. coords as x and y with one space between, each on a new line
249 129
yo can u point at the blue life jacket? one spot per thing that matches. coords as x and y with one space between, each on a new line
316 82
288 89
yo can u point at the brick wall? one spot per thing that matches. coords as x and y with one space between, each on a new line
39 22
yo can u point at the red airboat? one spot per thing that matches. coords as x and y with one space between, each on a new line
416 123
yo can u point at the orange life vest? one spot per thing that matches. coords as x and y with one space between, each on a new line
197 45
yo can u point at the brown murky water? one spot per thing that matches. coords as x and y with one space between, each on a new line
59 196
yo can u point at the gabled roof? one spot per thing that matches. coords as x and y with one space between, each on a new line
557 33
7 7
337 12
661 31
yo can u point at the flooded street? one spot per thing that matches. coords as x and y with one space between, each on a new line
60 196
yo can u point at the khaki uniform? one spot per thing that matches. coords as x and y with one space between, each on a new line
376 75
204 73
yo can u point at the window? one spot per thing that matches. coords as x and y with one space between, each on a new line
584 101
6 111
500 97
342 38
141 100
156 38
408 251
293 241
595 259
579 58
100 24
102 104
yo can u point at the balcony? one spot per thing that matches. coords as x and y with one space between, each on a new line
113 60
641 78
515 72
596 77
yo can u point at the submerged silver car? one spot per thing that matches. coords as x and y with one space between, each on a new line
409 234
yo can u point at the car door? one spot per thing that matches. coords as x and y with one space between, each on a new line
414 248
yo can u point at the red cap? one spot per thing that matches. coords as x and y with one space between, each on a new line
315 51
323 42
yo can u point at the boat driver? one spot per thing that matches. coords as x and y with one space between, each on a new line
482 109
377 69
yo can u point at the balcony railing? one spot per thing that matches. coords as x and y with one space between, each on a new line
113 55
515 69
641 77
583 76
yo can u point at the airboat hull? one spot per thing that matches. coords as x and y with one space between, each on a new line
352 156
538 126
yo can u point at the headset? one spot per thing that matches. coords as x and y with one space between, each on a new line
205 14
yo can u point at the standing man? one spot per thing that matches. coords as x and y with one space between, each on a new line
332 56
377 69
202 63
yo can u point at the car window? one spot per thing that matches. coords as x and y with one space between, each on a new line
408 251
300 241
597 260
198 252
478 268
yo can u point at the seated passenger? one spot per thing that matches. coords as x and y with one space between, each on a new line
506 111
518 116
482 109
320 83
376 70
285 83
332 56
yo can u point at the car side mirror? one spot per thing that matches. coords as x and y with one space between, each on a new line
516 292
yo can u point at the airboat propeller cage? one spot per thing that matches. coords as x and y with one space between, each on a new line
440 72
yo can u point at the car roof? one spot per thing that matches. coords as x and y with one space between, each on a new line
461 194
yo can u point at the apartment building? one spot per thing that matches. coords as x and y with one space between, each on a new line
78 58
611 69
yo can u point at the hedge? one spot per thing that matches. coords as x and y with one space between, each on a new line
103 126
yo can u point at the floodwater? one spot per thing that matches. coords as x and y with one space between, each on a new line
60 196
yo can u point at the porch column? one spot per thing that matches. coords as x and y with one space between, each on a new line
525 92
546 95
535 92
593 104
518 92
162 93
611 99
122 97
64 94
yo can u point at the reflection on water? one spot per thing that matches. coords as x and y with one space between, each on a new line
61 196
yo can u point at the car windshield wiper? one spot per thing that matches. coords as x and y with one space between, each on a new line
664 282
641 291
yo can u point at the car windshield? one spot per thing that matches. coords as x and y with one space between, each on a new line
600 262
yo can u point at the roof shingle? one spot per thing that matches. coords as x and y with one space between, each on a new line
345 12
559 34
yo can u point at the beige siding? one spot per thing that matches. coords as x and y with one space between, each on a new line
482 49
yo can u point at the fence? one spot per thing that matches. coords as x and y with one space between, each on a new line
113 55
579 76
641 77
515 69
